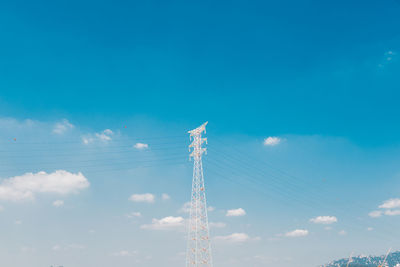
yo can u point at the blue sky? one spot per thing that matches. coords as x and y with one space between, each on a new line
83 82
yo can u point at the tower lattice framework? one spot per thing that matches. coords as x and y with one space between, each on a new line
199 248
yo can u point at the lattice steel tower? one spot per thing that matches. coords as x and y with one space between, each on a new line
199 249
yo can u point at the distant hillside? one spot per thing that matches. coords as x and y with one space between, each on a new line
393 260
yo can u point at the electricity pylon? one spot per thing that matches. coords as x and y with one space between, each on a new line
199 248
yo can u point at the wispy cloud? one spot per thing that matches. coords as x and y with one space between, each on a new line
27 249
165 196
388 57
103 136
62 127
148 198
391 204
375 214
272 141
392 212
324 220
56 248
68 247
236 212
167 223
297 233
141 146
234 238
134 215
390 207
342 232
217 225
26 186
185 208
124 253
58 203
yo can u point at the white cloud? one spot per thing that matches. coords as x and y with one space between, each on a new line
388 57
148 198
217 225
185 208
375 214
167 223
234 238
272 141
236 212
108 132
25 187
18 222
297 233
75 246
392 212
342 232
26 249
370 229
210 208
68 247
165 197
62 127
391 204
391 207
87 140
124 253
134 214
58 203
104 136
324 220
141 146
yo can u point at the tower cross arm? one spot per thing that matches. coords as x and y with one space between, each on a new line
195 143
198 152
198 130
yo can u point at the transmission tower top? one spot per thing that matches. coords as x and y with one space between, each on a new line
198 130
198 141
